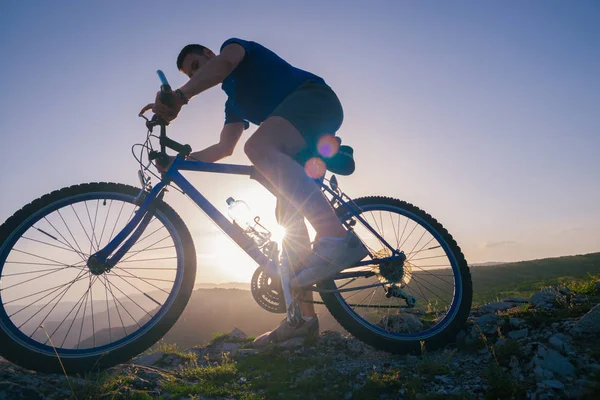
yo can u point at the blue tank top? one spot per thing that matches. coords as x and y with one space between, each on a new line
259 83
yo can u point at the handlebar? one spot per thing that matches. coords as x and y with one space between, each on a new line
165 142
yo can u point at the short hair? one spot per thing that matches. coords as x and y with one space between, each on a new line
190 48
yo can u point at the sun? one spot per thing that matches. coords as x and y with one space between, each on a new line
277 234
222 252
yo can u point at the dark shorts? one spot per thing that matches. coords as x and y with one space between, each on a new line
314 109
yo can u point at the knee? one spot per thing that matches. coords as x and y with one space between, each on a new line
254 150
258 150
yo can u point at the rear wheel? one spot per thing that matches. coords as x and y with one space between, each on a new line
50 301
434 276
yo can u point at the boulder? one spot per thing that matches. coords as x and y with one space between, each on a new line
551 297
488 323
589 323
518 334
237 334
149 360
401 322
497 306
552 360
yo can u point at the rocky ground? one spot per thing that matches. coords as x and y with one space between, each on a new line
544 347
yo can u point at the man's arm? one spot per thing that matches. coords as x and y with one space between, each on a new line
214 71
230 135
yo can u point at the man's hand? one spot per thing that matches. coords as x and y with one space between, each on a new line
169 111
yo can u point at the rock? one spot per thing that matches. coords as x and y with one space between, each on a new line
542 374
149 360
554 384
559 342
515 368
520 300
247 352
292 343
229 347
237 334
444 379
517 323
402 322
488 323
497 306
355 346
552 360
550 298
589 323
518 334
9 390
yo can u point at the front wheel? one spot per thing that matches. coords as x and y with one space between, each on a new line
400 305
52 304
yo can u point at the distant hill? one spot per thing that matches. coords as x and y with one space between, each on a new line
520 278
227 285
488 264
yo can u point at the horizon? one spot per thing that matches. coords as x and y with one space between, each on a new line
483 115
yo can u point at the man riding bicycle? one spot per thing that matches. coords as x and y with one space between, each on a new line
293 109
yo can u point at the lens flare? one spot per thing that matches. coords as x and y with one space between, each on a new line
315 168
328 146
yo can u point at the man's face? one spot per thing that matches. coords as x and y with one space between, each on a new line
193 62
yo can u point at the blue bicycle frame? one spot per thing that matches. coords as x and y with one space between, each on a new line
133 230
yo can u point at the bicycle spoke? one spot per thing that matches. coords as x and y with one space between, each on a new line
69 230
63 238
418 241
149 259
40 308
74 318
50 244
93 226
129 298
149 283
144 249
81 223
105 219
33 279
33 272
67 316
115 301
52 309
116 221
108 312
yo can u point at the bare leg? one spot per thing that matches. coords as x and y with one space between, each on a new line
269 149
295 246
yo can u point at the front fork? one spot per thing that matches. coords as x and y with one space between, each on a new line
99 262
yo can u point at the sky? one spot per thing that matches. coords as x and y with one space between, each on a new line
484 114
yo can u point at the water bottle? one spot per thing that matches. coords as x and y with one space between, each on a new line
240 212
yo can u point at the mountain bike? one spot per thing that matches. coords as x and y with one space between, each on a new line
93 274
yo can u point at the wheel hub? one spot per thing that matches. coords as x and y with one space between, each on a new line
393 270
96 266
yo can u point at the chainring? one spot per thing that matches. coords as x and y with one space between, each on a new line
267 291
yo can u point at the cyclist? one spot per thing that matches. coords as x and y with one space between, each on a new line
293 108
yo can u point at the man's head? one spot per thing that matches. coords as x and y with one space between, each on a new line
192 57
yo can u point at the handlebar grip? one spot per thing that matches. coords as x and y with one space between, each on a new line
163 78
166 93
